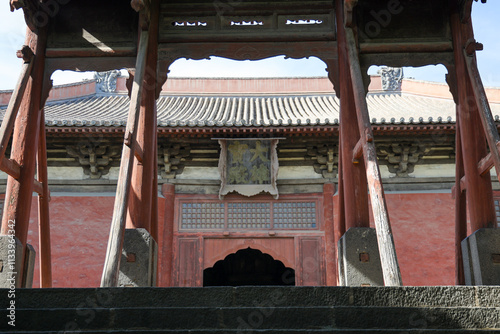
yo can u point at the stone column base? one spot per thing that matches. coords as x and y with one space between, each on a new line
359 258
481 256
12 262
139 259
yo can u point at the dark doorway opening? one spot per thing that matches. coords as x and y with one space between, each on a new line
248 267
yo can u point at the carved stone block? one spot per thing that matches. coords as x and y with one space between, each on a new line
481 256
392 78
139 259
359 258
11 260
106 81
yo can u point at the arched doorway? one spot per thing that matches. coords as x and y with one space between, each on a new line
248 267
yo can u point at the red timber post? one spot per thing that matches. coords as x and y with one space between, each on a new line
143 174
357 115
166 231
43 211
353 177
460 209
154 200
472 140
19 191
330 242
131 148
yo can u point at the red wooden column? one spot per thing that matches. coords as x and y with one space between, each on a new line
43 212
154 192
166 244
330 242
19 192
355 194
460 209
339 218
364 148
479 195
143 177
131 150
154 202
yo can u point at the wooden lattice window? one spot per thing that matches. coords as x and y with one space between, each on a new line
202 215
248 215
295 215
243 215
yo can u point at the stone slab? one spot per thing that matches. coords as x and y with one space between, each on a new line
360 258
482 255
11 252
467 260
249 296
139 259
29 266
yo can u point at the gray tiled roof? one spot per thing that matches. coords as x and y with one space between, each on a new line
289 110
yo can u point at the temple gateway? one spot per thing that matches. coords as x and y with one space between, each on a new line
320 204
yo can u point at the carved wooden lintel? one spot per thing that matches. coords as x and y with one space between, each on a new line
169 52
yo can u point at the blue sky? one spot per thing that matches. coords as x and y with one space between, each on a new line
486 25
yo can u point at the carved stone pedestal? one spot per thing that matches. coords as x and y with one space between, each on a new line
359 258
11 262
481 255
138 264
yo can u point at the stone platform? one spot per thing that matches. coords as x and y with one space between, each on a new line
255 310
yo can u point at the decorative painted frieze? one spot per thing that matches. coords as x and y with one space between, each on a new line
248 166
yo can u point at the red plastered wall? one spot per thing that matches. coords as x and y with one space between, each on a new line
79 228
422 224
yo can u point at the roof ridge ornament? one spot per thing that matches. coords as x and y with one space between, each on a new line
106 81
392 78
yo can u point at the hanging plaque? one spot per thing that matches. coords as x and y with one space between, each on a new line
248 166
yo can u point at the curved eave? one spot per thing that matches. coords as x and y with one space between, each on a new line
309 131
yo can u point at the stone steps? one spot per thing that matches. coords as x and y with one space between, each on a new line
276 331
256 310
